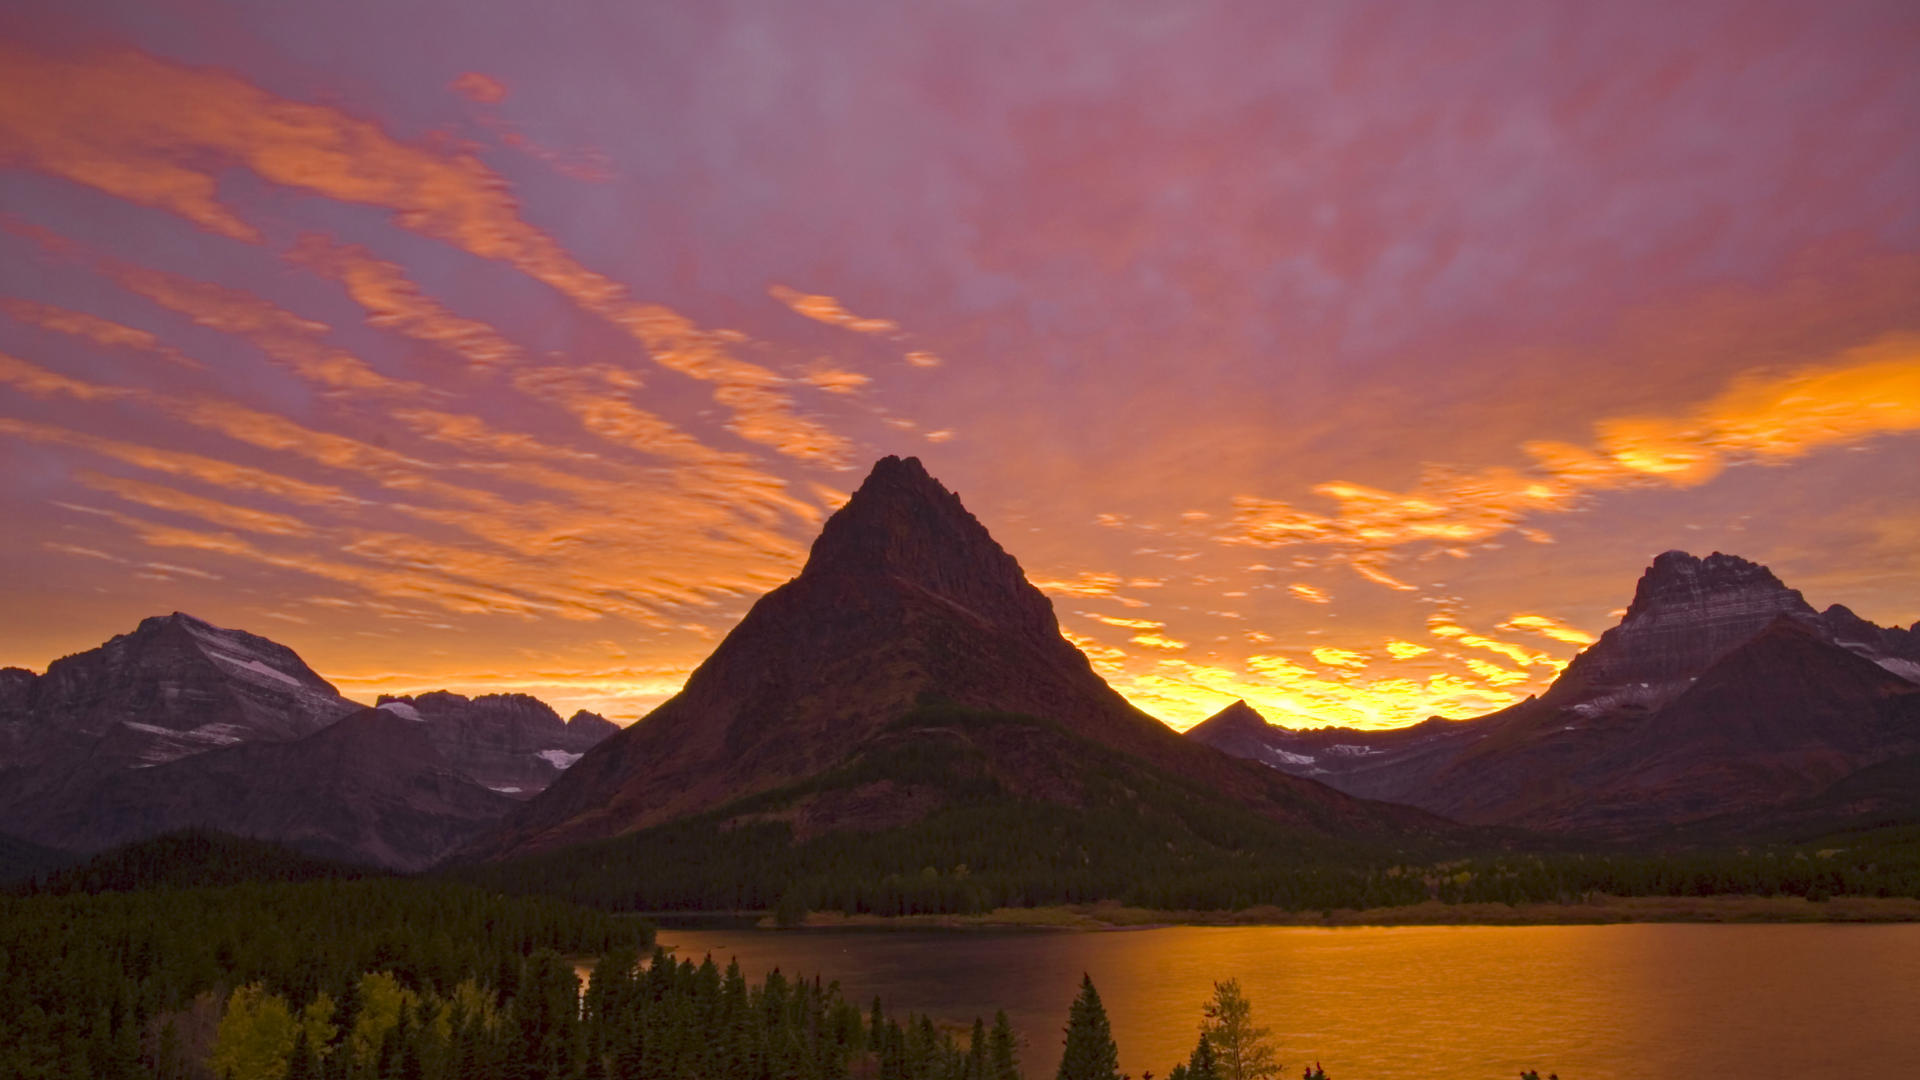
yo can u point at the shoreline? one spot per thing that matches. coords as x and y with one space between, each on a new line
1603 910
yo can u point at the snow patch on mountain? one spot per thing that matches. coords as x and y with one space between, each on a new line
559 759
258 668
408 712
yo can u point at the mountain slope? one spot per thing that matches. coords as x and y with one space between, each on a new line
1721 696
905 600
369 789
174 687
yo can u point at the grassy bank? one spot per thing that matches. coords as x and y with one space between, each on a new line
1601 909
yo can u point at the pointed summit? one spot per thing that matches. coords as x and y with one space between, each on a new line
1237 718
903 525
905 603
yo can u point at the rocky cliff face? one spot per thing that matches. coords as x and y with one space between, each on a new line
1721 697
905 600
1687 612
513 744
173 687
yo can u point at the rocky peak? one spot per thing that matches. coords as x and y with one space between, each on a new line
180 673
590 725
1236 718
902 524
1683 587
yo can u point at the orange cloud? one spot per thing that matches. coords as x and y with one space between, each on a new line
1550 627
828 310
1406 650
285 337
1860 393
479 88
127 123
157 497
1441 626
1342 658
1494 673
1130 624
1158 641
206 470
394 302
39 382
836 381
93 328
1310 594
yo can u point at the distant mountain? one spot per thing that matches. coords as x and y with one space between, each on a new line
185 724
174 687
370 789
1722 697
906 612
512 743
1393 764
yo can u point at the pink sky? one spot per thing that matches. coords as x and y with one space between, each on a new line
1351 358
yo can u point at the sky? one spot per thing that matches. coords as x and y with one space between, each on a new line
1349 358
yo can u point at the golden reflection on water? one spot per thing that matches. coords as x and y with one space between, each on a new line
1416 1003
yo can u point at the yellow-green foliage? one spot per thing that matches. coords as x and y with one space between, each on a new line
256 1036
382 999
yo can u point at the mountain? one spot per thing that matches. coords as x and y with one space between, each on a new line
1392 764
174 687
512 743
369 789
182 723
908 633
1721 699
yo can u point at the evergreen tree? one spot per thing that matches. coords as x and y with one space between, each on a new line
1244 1050
1003 1053
1090 1053
1201 1064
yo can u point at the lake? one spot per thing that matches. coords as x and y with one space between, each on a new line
1413 1003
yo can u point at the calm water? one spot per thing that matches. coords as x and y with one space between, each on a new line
1415 1003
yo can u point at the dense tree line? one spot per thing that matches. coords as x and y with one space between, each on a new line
1137 836
190 858
131 984
660 1020
973 858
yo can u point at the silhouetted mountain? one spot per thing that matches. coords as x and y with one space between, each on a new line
904 601
512 743
1721 697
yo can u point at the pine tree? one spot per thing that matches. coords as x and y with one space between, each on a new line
1244 1050
1090 1053
1201 1064
1003 1054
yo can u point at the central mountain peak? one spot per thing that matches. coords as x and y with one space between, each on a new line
905 602
902 526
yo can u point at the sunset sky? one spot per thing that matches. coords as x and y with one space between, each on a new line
1349 358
